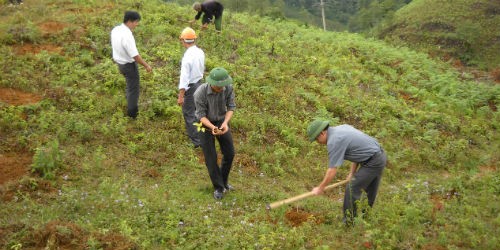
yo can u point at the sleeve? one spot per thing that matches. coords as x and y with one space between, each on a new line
198 15
130 47
184 77
200 103
336 152
230 99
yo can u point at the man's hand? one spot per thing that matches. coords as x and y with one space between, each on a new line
148 68
317 190
216 131
223 128
180 100
349 177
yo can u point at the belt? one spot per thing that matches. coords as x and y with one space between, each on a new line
375 155
193 83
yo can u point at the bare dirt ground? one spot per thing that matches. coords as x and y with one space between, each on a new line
17 97
15 164
65 235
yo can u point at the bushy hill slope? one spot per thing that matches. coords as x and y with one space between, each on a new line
464 29
99 178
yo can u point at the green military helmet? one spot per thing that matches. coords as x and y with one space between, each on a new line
219 77
315 128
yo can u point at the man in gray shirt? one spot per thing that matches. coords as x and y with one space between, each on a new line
214 103
344 142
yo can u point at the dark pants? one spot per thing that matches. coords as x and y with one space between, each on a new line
367 178
188 109
217 21
218 175
131 73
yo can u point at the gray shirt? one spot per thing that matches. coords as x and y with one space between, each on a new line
213 105
344 142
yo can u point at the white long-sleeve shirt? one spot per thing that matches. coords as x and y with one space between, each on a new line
123 44
192 67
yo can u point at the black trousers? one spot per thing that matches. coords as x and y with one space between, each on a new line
188 111
131 73
218 174
367 178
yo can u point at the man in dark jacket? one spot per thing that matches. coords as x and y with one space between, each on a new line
212 11
214 108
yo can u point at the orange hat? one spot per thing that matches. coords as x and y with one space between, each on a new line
188 35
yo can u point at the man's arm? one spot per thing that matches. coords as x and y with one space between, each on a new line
139 60
224 126
198 15
354 166
330 174
215 130
180 97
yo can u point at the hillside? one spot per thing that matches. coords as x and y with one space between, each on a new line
466 30
77 174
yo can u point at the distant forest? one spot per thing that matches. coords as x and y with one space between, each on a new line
340 15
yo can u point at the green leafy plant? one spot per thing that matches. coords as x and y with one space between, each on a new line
47 160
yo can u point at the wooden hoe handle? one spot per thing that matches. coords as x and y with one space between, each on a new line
300 197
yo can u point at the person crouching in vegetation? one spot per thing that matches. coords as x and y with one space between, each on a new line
211 9
344 142
214 108
192 68
125 54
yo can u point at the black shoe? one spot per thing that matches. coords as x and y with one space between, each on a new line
228 188
218 194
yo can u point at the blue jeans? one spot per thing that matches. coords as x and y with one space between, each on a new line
218 175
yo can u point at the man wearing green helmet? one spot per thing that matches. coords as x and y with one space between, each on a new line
344 142
215 105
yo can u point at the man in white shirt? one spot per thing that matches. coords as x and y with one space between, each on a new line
125 54
192 69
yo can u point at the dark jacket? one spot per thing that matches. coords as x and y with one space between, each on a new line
211 9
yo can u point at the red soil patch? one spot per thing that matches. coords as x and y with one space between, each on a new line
246 163
297 216
495 74
437 204
67 235
407 96
485 170
17 97
432 246
13 166
37 189
49 28
29 48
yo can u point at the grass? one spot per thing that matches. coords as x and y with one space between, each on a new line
465 31
141 180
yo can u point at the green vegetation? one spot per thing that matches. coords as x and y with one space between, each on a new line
463 29
140 180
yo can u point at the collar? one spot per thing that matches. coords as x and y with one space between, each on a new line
211 92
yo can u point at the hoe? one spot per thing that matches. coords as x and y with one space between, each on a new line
300 197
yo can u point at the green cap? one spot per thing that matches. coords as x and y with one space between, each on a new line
315 128
219 77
